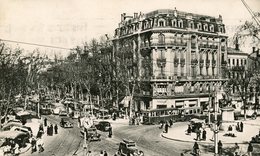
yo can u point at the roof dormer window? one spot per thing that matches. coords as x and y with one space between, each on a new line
205 27
211 28
199 26
180 23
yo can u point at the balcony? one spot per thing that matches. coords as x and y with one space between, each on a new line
223 48
214 62
193 46
194 62
207 63
176 62
161 62
213 46
182 62
201 63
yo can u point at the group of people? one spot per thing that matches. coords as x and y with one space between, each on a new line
166 125
240 127
10 147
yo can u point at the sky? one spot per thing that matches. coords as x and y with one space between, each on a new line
68 23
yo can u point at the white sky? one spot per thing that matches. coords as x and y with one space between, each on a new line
67 23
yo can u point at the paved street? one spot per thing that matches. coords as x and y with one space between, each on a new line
147 137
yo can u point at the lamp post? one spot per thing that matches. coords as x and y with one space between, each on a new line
215 126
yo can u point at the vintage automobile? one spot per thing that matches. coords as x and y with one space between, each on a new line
91 134
65 123
18 137
63 113
103 126
128 148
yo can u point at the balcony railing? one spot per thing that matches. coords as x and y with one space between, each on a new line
182 62
223 63
201 63
207 63
145 52
214 62
193 46
161 62
194 62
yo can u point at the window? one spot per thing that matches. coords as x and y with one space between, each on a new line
205 27
237 62
211 28
233 62
228 61
161 24
174 23
244 62
161 39
191 25
180 23
199 26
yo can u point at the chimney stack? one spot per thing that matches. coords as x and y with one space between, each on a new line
135 15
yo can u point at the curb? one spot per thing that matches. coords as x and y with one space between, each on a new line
162 135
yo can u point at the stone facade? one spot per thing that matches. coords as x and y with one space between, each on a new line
179 55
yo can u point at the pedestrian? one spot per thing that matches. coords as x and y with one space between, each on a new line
198 134
101 153
16 149
33 143
40 145
189 130
170 122
249 149
48 130
105 153
51 130
204 134
114 116
166 127
162 123
79 123
45 122
238 127
110 132
196 148
56 129
241 126
237 152
220 147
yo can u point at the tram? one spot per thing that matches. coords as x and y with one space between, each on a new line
156 116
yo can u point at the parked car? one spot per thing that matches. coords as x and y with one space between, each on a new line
65 123
128 148
9 126
91 134
22 129
103 126
18 137
63 113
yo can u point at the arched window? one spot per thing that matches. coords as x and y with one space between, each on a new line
180 23
174 23
199 26
211 28
161 23
205 27
191 25
161 38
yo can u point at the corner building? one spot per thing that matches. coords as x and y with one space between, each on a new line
180 56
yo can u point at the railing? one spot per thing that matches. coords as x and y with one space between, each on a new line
182 62
223 48
161 62
194 62
214 62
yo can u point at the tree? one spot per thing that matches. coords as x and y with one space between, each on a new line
12 79
240 83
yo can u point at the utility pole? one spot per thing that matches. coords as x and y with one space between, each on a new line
215 128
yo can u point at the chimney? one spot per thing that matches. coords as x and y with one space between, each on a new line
236 44
135 15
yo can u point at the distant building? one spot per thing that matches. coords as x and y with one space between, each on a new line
178 57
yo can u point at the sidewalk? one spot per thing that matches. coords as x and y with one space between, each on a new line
178 133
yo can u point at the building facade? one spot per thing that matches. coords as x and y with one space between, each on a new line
180 56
